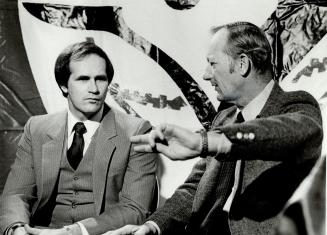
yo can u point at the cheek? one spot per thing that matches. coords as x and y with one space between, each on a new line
104 88
76 94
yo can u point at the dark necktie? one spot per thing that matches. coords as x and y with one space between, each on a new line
239 118
75 152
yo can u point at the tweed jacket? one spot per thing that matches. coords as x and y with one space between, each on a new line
123 180
287 141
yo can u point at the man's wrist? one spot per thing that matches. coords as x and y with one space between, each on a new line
204 143
11 228
153 227
73 229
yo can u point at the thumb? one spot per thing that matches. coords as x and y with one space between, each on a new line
164 149
31 230
127 229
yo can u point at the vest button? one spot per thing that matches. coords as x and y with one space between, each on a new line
74 205
75 178
76 192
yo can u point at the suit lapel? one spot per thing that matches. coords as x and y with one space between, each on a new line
52 151
216 180
103 152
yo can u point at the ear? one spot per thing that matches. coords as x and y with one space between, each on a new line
244 65
64 89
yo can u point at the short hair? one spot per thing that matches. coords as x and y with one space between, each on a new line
247 38
75 52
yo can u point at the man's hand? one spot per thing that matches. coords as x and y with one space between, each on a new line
20 231
132 230
175 142
37 231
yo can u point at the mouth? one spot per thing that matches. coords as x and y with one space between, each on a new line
217 88
93 100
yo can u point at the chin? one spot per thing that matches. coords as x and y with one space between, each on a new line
93 109
219 98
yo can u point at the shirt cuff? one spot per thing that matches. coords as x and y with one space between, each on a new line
75 229
12 227
82 227
222 144
153 224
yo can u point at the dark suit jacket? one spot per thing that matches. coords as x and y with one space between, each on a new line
288 135
123 180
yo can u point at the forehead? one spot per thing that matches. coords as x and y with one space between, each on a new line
92 63
217 43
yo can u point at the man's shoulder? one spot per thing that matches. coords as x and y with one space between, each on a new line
126 122
298 96
125 119
48 117
45 121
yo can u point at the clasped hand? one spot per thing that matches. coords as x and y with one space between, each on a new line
133 230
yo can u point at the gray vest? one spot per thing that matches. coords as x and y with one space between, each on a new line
74 200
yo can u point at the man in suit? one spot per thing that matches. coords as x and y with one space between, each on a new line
255 155
75 171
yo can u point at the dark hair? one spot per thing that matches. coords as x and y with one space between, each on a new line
247 38
77 52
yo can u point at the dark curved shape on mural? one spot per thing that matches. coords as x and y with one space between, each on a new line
293 29
109 19
19 97
182 4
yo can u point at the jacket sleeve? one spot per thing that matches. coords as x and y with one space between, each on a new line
297 127
19 192
135 196
176 212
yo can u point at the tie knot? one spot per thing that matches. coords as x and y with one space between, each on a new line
79 128
239 118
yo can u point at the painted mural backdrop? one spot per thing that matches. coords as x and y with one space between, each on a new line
158 51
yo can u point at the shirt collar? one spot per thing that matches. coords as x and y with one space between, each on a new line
252 109
91 124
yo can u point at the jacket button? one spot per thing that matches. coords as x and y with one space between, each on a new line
251 136
246 136
239 135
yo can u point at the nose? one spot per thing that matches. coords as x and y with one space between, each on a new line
207 74
93 86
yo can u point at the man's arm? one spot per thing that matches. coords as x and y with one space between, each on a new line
175 213
19 192
135 196
298 127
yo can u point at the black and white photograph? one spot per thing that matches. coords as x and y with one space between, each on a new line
163 117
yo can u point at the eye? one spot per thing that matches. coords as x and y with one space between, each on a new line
83 78
101 78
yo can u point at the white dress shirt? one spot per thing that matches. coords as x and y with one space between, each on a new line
91 126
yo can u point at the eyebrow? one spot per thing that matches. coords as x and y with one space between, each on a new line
82 77
103 77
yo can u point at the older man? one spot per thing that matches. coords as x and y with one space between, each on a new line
255 155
